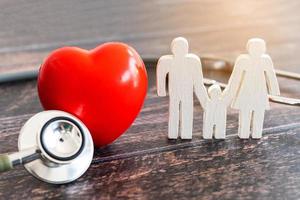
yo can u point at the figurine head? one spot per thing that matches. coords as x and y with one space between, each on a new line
256 47
180 46
214 91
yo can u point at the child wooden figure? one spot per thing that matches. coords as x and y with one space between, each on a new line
215 113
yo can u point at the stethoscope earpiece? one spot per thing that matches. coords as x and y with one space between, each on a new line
54 146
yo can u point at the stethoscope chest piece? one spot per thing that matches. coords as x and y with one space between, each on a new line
62 143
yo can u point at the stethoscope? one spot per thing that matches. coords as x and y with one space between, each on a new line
57 148
54 146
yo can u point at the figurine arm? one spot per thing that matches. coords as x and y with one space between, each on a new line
234 81
198 84
162 69
270 75
227 98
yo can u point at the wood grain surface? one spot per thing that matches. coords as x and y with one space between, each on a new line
143 163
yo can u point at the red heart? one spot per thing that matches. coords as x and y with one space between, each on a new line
104 87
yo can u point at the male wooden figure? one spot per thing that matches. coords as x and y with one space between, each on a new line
185 76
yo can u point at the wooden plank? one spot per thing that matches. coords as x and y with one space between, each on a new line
147 134
229 169
146 140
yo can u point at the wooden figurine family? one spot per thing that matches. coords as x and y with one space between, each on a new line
253 78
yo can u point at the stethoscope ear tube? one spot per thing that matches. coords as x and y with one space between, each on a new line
276 99
9 161
18 76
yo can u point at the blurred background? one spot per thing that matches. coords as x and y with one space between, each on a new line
30 29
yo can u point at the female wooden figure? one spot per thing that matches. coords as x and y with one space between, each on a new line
252 79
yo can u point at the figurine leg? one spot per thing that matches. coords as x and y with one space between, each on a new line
244 124
208 127
257 126
173 119
187 119
220 131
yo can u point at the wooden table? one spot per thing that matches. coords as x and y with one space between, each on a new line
143 163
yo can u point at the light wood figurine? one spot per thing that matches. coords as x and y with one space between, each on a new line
184 77
215 113
252 79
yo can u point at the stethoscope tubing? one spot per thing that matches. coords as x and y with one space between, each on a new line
222 64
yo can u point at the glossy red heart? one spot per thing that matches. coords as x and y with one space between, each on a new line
104 87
